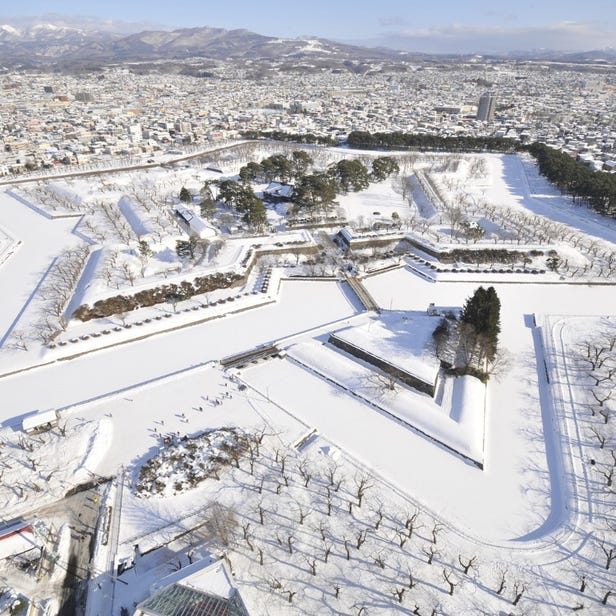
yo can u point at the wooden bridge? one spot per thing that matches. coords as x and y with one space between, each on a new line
246 357
360 290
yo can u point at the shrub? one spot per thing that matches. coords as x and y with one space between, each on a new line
158 295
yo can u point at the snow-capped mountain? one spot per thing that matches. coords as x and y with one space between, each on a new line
72 42
42 43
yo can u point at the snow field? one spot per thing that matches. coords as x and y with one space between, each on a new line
452 423
310 544
539 510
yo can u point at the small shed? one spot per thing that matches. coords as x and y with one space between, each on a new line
344 238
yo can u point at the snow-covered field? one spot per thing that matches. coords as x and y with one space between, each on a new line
374 513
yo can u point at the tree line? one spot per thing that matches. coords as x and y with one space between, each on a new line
313 189
401 141
597 188
279 135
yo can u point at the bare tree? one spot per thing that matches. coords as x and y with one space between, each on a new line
518 590
25 444
602 378
411 522
382 383
595 355
19 340
312 564
379 516
430 551
334 477
128 273
582 583
222 523
599 436
470 562
282 460
454 215
601 396
502 581
261 482
290 594
305 473
436 530
361 538
379 560
302 513
252 458
402 537
449 578
610 554
362 485
246 535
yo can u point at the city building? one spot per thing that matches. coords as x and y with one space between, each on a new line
487 105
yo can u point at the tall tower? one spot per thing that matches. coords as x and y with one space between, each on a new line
487 104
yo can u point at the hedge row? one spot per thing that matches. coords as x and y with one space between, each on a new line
158 295
487 255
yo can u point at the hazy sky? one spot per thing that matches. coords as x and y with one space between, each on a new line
445 25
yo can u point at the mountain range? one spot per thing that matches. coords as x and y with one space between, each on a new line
61 44
48 44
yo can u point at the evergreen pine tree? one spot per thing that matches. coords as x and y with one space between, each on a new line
185 195
481 323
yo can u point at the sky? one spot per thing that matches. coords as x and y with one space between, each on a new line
445 26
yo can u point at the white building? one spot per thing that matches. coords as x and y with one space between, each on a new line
197 226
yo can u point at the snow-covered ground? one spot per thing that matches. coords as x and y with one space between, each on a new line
539 515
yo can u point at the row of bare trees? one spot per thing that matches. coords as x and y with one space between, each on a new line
303 521
57 290
595 359
520 227
56 200
25 468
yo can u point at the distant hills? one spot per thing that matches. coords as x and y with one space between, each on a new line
48 44
62 44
